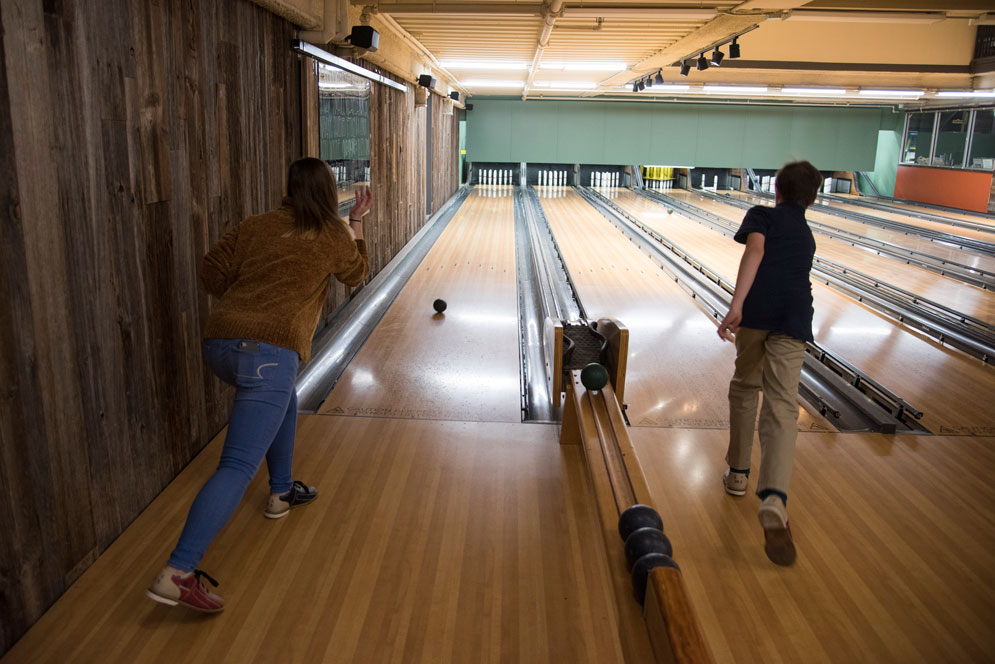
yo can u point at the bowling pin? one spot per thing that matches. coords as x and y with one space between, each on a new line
592 179
715 182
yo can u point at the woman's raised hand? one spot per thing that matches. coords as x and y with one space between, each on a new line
364 201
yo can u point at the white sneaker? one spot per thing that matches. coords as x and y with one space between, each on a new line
778 544
735 483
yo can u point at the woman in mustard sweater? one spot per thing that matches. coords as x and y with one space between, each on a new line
271 275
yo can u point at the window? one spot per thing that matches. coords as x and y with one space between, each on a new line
983 140
918 138
344 128
951 139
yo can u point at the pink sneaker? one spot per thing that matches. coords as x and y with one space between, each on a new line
188 590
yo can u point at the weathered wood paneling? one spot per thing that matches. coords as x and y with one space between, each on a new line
131 136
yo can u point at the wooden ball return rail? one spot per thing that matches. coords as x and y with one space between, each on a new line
665 629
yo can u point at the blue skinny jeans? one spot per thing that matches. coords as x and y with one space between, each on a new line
263 423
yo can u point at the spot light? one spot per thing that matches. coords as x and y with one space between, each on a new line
649 81
685 67
717 56
642 86
658 80
702 62
635 86
734 49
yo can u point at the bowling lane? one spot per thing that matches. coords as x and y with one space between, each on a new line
953 214
942 383
678 370
898 215
864 230
895 539
963 297
460 365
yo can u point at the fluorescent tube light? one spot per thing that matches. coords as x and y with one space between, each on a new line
964 94
559 85
493 65
814 92
671 87
735 89
893 93
487 83
584 66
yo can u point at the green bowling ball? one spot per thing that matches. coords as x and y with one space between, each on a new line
594 376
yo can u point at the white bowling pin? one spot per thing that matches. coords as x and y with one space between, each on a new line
715 182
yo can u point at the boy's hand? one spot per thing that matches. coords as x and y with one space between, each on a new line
730 324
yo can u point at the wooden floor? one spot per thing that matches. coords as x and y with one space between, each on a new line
985 220
430 542
448 531
895 538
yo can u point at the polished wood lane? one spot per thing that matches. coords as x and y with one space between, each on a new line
965 298
901 216
941 382
953 214
937 249
460 365
431 542
895 537
678 369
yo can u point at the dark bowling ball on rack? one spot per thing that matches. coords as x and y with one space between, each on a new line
439 306
643 541
594 376
636 517
641 572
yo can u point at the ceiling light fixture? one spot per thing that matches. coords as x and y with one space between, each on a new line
735 89
649 81
965 94
642 86
702 62
493 65
813 92
658 80
734 49
685 67
717 56
492 83
635 86
893 93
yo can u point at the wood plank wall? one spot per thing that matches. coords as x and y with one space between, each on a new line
132 135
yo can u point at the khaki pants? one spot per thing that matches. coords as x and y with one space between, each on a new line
772 363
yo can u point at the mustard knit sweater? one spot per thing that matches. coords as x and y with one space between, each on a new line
272 284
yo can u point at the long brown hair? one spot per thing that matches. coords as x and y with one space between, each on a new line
315 198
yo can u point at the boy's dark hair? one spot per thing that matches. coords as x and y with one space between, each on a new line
798 182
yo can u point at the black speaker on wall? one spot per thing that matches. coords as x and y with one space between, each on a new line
469 107
364 36
454 95
427 81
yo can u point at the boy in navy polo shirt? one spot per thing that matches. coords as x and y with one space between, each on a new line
771 316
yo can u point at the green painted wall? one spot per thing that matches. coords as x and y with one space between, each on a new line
592 132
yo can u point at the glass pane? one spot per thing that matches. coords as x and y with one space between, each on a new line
344 127
918 138
983 141
952 139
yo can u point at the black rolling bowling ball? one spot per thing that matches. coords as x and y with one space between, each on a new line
641 572
439 306
643 541
636 517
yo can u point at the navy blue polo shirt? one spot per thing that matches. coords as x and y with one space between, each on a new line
780 299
